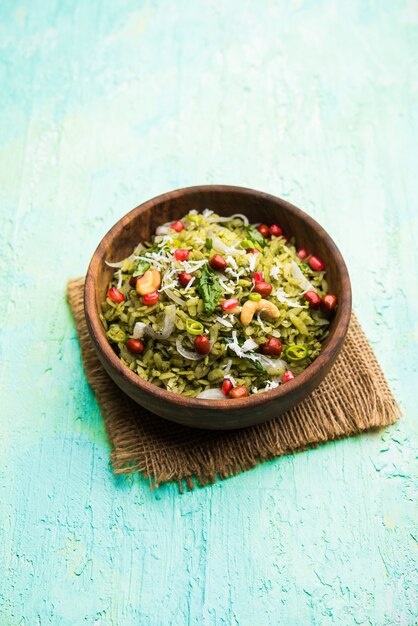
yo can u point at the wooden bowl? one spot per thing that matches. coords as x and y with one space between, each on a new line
139 225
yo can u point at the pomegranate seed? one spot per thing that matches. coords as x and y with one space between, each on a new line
229 305
177 226
258 277
316 264
329 303
288 375
263 288
239 392
202 344
302 253
272 347
218 263
264 230
313 299
181 255
226 387
275 230
184 279
135 345
252 251
151 298
132 281
115 295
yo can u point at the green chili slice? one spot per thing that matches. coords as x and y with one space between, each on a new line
255 297
296 353
194 327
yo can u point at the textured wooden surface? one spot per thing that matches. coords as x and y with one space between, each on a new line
104 105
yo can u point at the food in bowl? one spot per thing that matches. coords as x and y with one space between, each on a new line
215 307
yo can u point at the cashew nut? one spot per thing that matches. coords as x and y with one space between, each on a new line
250 308
149 282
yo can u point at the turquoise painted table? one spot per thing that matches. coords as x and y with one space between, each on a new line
104 105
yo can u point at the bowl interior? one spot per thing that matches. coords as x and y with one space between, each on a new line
140 224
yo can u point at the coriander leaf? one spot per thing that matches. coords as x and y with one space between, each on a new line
256 363
251 359
142 267
209 288
256 236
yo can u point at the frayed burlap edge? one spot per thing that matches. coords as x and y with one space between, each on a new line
353 398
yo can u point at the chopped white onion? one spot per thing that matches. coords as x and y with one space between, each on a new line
272 384
220 320
189 284
139 330
249 345
225 286
192 266
164 229
165 287
218 244
116 264
266 362
232 262
228 365
187 354
260 321
170 294
234 274
304 282
233 381
241 216
211 394
219 219
243 351
119 275
283 297
275 271
168 324
253 261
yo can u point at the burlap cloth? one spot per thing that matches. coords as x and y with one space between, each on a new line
353 398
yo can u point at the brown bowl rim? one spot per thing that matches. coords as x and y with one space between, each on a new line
334 342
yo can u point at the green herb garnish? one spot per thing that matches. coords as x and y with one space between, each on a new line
209 289
256 363
256 236
142 267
